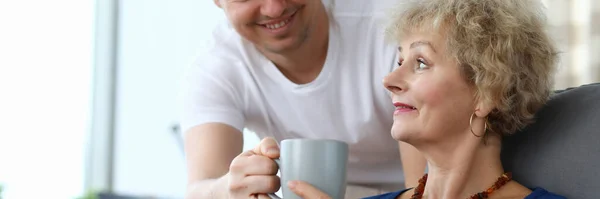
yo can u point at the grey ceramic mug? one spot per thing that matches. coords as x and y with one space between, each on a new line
319 162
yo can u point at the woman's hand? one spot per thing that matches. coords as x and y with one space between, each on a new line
306 191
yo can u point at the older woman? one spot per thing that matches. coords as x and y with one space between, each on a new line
470 71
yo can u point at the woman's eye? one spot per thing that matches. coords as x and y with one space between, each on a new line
422 65
398 64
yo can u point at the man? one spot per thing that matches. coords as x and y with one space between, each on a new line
292 69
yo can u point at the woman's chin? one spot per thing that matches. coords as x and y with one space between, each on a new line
401 135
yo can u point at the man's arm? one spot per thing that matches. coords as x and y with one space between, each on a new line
413 164
209 150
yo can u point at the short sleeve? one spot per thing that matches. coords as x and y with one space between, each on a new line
211 92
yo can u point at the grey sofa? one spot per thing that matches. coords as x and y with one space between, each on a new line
561 150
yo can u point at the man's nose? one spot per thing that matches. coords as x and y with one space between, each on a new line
273 8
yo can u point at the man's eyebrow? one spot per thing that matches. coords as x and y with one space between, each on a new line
417 44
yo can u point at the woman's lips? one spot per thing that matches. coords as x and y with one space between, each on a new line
403 108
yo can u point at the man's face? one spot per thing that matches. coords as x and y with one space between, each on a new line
273 25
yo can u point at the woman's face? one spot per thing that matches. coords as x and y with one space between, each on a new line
433 100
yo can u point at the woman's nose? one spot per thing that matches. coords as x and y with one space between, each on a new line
273 8
394 82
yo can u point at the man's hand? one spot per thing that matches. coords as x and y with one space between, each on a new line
306 191
253 174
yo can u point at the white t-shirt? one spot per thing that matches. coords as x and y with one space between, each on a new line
234 84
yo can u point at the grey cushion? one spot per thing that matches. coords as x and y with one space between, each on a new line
561 150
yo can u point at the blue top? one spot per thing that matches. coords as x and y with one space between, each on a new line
538 193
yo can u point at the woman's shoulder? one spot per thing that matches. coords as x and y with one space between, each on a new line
391 195
537 193
541 193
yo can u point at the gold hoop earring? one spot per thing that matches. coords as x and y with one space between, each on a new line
471 126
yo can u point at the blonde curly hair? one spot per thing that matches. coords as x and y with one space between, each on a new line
501 46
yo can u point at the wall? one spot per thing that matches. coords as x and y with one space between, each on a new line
46 57
157 40
574 27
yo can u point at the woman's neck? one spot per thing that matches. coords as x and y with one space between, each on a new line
463 168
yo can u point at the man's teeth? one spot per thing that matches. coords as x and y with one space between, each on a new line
277 25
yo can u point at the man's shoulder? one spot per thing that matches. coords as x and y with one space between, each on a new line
361 9
368 17
224 50
367 46
222 43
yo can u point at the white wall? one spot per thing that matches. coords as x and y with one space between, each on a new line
157 40
46 50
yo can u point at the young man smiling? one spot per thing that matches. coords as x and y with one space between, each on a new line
292 69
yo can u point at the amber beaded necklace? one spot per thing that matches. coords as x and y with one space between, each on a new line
502 180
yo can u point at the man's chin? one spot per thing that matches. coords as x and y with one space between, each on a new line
281 46
285 44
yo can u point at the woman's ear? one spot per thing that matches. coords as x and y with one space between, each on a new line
484 107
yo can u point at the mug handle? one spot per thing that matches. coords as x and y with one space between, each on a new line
272 195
